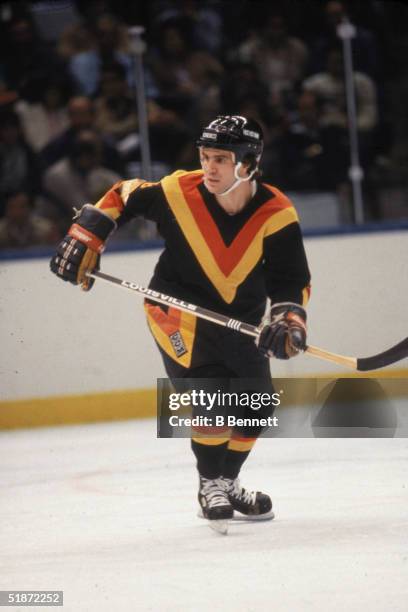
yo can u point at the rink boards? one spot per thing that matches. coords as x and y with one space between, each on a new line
69 356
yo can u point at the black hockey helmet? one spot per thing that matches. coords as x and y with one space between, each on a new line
244 137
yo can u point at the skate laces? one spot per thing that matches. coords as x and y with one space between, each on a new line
214 492
234 489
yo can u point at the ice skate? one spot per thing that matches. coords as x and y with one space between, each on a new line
254 505
215 504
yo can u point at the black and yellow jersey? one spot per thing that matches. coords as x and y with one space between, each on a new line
227 263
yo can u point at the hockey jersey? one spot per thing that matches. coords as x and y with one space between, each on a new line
228 263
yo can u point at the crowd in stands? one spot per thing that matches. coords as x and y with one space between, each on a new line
68 115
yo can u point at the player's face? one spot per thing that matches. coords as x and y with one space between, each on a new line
218 167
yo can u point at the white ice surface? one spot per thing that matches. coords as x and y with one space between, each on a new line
107 513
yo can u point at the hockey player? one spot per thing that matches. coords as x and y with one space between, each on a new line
231 242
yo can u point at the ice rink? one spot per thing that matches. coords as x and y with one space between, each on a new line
107 513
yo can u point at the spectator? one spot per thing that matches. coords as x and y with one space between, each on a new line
203 19
115 112
310 158
24 53
19 166
242 80
364 46
21 227
170 139
77 178
81 115
329 86
281 59
43 112
180 72
75 39
116 119
89 51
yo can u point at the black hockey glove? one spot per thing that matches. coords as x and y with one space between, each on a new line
80 250
285 335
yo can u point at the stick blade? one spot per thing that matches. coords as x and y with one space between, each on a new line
392 355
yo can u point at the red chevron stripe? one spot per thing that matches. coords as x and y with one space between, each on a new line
169 322
226 257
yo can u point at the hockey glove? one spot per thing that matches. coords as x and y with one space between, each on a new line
285 335
80 250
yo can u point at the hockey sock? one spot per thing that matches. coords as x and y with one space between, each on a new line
238 450
210 454
240 445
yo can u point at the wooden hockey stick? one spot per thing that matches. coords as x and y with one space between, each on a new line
393 354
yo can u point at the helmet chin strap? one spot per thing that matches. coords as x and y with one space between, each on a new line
238 179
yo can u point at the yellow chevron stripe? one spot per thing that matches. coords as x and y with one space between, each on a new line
225 285
188 324
254 252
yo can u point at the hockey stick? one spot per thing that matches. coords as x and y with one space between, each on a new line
392 355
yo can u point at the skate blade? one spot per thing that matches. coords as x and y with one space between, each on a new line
219 526
243 518
253 518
